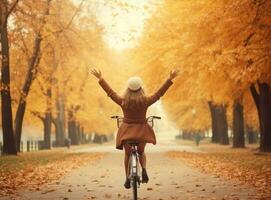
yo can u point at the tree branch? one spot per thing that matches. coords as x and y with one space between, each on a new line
35 69
38 114
247 40
67 26
12 7
43 90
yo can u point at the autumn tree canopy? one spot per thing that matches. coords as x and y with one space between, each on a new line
222 49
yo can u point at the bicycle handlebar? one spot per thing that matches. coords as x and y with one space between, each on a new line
149 119
115 117
155 117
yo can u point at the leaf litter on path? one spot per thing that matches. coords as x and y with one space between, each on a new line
243 167
41 168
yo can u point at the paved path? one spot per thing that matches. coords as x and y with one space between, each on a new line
169 179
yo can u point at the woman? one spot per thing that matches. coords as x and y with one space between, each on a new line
134 104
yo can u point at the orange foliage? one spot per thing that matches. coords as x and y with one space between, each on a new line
221 47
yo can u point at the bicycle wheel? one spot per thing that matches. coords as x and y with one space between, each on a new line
134 188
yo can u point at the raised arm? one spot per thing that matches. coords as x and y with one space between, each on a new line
162 90
109 91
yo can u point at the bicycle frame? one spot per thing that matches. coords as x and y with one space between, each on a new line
134 170
134 159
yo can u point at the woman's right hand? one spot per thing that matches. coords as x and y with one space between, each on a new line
173 74
97 74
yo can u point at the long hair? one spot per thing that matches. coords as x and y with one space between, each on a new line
134 100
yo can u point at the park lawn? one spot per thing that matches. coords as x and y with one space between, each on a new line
242 165
11 164
37 168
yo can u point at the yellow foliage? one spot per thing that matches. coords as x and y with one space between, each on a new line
221 48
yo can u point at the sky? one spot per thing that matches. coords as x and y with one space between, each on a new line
123 20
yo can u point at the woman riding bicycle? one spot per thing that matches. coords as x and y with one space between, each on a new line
134 104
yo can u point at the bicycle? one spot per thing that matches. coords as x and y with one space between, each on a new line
133 166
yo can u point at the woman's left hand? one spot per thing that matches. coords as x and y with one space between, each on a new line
173 74
97 74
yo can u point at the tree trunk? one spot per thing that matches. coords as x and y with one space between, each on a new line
48 119
73 127
47 131
251 135
215 134
59 142
219 123
222 124
72 130
238 125
263 104
62 116
19 123
184 134
83 136
9 142
78 130
98 138
60 133
31 73
187 135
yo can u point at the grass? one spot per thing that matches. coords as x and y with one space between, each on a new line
10 164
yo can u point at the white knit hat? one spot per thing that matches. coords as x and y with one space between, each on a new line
134 83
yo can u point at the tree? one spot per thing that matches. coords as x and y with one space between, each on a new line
46 30
9 147
33 63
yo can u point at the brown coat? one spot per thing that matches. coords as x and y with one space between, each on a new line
134 126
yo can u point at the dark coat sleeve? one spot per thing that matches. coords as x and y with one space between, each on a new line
110 92
159 93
